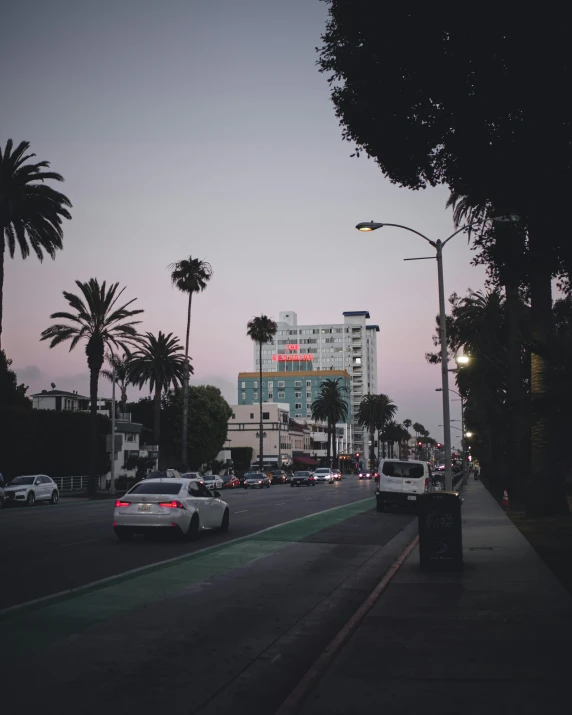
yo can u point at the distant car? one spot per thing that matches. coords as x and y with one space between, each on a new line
230 482
302 479
324 474
181 506
30 489
191 475
164 474
364 475
256 479
212 481
279 476
337 475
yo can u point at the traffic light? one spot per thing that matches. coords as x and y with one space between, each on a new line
438 445
357 455
420 444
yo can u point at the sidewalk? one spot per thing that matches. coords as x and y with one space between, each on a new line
495 638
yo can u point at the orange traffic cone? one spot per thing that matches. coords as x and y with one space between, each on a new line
505 500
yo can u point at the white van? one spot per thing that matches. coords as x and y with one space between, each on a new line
400 482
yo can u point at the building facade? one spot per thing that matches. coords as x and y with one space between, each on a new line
60 401
350 346
244 431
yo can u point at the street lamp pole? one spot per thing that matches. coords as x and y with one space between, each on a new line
112 473
438 246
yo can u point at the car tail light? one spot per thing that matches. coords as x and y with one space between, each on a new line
122 503
426 482
171 504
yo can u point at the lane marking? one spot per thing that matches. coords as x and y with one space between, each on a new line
75 543
280 503
149 568
242 511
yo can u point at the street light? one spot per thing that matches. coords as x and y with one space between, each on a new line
469 434
462 359
438 245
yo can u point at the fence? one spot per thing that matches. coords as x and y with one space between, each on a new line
71 484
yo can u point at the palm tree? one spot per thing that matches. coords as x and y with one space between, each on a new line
261 330
31 213
157 361
97 320
118 371
330 407
374 412
190 275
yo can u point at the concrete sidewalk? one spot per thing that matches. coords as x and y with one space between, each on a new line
493 639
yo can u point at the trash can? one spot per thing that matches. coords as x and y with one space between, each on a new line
440 535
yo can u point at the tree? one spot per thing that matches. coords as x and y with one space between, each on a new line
157 361
118 370
190 275
476 132
31 212
330 407
12 394
261 330
374 412
97 320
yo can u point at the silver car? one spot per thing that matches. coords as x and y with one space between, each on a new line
324 474
30 489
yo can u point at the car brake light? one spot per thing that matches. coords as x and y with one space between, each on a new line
122 503
426 482
171 504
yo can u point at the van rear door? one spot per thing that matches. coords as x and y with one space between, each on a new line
413 477
390 477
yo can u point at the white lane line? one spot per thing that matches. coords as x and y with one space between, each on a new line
243 511
74 543
281 503
276 658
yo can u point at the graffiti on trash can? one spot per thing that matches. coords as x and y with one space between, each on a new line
439 521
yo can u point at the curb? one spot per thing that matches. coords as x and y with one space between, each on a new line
294 701
133 573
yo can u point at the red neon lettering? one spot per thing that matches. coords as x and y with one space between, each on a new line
293 358
292 346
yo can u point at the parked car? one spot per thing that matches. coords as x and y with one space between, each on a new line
164 474
302 479
324 474
191 475
230 482
279 476
401 482
183 507
212 481
256 479
30 489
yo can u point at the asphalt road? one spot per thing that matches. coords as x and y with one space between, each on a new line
229 629
47 549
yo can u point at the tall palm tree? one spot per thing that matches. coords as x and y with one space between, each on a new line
119 371
157 361
31 213
374 412
330 407
261 330
98 320
190 275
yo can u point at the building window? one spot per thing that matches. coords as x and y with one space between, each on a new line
255 396
266 415
281 395
298 383
252 415
308 395
255 385
308 383
243 396
298 394
298 406
280 383
270 384
244 385
270 395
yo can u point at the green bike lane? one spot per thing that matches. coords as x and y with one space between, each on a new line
39 624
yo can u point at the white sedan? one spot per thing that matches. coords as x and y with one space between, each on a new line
29 490
182 506
212 481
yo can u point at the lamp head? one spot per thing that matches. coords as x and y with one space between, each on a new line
366 226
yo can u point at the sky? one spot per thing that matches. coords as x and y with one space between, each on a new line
204 127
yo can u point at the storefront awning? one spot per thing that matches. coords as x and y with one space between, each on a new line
305 460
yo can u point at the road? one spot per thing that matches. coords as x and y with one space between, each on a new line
231 626
55 548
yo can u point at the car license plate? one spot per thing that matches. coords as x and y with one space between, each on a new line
412 498
144 507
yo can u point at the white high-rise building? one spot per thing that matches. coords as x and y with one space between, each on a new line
351 346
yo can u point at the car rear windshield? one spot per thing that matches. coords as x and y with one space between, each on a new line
23 480
302 474
147 487
322 471
252 475
403 470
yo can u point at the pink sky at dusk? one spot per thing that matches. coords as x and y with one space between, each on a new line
205 128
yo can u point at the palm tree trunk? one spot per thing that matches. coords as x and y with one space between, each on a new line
92 464
157 415
261 455
186 388
123 399
329 444
515 462
2 252
371 447
334 446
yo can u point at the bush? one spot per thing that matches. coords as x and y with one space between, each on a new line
49 442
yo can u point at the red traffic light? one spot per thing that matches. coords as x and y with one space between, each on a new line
438 445
357 454
420 444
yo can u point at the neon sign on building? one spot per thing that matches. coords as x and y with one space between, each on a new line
293 358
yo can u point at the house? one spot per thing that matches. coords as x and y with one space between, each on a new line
60 400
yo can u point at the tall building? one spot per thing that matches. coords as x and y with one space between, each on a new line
350 346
